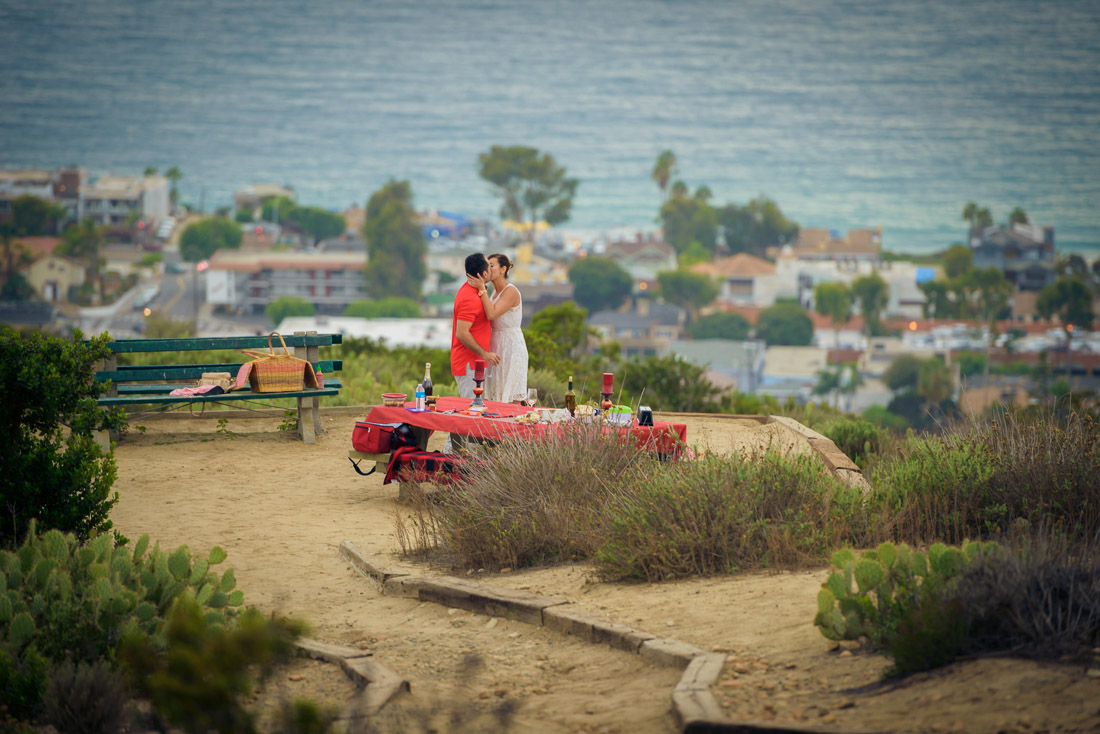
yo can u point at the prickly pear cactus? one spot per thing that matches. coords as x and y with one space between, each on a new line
115 588
865 595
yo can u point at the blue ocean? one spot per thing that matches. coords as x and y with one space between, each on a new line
850 113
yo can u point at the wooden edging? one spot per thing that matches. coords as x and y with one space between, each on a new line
693 704
379 683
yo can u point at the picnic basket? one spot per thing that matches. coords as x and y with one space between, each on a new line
271 372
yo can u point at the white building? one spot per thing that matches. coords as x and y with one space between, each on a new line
113 199
248 281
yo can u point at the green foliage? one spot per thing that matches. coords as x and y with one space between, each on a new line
59 476
686 289
970 363
22 683
86 698
957 260
201 678
33 216
202 239
599 283
872 294
856 437
903 372
664 169
150 260
695 253
720 326
689 220
1070 300
717 515
785 324
557 334
243 216
318 224
979 217
757 225
532 186
73 600
934 381
671 384
833 300
288 306
883 418
395 244
163 327
1017 216
384 308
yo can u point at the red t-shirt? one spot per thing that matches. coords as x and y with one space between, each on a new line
468 308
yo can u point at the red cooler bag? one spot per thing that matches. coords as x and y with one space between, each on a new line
380 438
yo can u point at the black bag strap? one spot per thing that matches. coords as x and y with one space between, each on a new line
360 472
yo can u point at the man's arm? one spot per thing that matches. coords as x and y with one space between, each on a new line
462 331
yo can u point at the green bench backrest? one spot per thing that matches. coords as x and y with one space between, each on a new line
131 346
150 373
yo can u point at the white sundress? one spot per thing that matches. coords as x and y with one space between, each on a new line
507 381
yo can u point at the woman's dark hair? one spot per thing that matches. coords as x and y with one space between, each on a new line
476 264
502 261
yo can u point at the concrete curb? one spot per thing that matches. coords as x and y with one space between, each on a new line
380 684
837 462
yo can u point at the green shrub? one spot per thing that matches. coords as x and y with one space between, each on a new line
288 306
86 698
856 437
72 600
199 681
393 308
934 490
526 502
22 683
717 515
53 469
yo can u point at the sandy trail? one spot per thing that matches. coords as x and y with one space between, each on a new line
280 509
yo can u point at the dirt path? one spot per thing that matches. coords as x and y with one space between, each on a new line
280 509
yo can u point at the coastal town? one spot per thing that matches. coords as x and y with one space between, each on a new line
315 279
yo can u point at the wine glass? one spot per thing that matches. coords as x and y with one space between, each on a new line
532 397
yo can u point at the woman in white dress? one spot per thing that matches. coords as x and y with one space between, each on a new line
507 381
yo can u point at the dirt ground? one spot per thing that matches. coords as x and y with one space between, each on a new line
280 509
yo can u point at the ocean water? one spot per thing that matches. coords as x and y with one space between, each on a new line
849 113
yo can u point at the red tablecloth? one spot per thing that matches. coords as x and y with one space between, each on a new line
665 438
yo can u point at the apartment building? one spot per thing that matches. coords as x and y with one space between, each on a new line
113 199
248 281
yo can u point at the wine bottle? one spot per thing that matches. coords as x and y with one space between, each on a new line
427 379
571 398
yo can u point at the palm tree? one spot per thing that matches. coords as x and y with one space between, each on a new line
150 171
970 214
664 170
1017 216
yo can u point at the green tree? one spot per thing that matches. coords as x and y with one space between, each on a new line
689 220
243 216
957 260
671 383
532 186
989 295
315 223
902 373
695 253
720 326
756 226
1017 216
872 294
557 334
785 324
663 171
938 303
978 216
32 216
14 286
83 242
149 171
395 244
276 208
833 300
599 283
1070 300
287 307
54 470
173 175
934 382
690 291
384 308
202 239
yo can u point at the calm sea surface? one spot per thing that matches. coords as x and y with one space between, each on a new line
850 113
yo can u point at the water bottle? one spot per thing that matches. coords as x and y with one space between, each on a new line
419 396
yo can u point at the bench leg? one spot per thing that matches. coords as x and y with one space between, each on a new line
103 438
305 420
317 416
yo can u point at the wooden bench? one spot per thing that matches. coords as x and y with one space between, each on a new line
141 385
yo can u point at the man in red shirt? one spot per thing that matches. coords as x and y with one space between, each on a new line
470 329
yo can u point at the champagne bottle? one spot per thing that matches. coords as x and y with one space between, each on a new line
427 379
571 398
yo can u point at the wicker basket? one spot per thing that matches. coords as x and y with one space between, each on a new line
273 372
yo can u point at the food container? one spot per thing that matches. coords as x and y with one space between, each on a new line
394 399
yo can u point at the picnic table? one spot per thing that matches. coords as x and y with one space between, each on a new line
664 438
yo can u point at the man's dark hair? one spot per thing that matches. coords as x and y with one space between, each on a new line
476 264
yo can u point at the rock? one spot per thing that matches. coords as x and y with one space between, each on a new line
452 612
741 668
295 677
513 635
491 623
846 654
506 570
670 623
731 683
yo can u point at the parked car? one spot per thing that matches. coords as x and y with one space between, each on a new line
146 296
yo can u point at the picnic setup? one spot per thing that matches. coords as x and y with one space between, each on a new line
394 435
271 372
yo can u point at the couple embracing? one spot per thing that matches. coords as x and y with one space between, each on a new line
488 327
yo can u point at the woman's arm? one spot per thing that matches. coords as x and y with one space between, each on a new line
509 298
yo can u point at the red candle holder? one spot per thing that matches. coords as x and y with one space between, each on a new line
608 388
479 369
479 377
